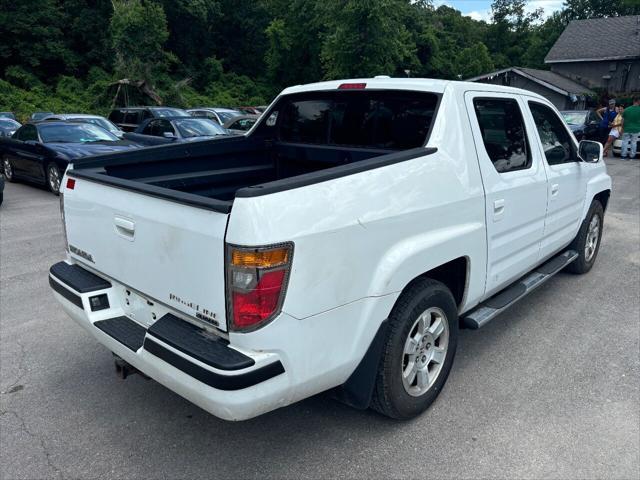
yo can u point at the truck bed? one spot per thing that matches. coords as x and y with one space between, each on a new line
211 173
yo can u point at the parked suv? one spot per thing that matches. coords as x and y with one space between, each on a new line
340 244
128 118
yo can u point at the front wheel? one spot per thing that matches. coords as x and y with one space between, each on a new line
418 354
53 178
7 168
587 242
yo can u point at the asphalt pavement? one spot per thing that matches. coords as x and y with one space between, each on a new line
551 389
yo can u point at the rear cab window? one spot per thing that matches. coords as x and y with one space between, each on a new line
503 133
386 120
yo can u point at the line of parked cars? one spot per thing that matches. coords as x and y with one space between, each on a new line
40 150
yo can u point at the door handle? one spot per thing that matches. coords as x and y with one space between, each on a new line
554 189
125 228
498 209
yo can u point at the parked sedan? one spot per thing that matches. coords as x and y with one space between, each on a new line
583 123
8 126
158 131
40 152
129 118
218 115
240 125
36 116
86 118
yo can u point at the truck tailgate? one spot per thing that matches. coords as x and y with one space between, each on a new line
169 252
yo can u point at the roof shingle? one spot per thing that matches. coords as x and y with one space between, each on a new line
612 38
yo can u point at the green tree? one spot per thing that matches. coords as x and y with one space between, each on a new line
139 31
32 37
365 38
583 9
472 61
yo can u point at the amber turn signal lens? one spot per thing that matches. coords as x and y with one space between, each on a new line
260 258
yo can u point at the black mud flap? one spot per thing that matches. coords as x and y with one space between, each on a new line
358 389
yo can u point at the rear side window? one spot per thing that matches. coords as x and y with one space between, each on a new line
132 117
503 133
389 120
556 140
116 116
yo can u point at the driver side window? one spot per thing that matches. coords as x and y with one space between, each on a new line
28 132
555 138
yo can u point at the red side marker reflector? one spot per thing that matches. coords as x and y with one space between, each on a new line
352 86
71 183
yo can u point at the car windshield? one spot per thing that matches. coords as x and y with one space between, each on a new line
170 112
574 118
199 127
79 133
101 122
227 115
8 123
243 124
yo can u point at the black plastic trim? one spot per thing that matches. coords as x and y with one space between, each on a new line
358 389
213 379
124 330
78 278
195 343
334 172
154 191
68 294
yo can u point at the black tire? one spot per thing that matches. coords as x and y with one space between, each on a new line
1 197
9 174
584 262
390 396
53 172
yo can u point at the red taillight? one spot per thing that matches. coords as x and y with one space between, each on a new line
352 86
71 183
256 284
254 307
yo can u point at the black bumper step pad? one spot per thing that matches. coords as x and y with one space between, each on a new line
197 343
213 379
66 293
78 278
124 330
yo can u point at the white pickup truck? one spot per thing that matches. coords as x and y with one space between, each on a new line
339 245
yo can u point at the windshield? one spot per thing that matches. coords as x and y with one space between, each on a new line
170 112
101 122
227 115
8 123
574 118
80 133
199 127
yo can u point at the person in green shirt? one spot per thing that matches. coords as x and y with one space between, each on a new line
631 126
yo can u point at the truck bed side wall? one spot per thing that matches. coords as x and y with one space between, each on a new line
360 239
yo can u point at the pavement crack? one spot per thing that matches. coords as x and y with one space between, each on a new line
43 446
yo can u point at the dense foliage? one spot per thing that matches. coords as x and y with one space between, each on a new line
66 55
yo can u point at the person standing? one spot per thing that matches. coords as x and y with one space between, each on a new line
607 115
616 130
631 125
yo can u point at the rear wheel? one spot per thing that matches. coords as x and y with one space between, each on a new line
53 178
7 168
587 242
419 350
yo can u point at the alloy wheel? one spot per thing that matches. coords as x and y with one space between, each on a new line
425 351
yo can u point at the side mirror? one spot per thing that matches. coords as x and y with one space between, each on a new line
590 151
169 135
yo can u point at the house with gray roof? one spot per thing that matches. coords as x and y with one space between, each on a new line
563 92
600 53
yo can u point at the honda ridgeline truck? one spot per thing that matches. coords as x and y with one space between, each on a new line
339 245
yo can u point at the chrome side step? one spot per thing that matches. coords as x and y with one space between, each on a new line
492 307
